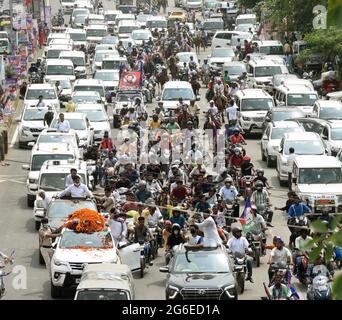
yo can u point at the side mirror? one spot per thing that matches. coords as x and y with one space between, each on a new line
268 120
250 74
18 119
31 144
157 98
324 137
91 128
265 138
25 167
164 269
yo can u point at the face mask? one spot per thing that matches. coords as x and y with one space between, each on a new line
176 232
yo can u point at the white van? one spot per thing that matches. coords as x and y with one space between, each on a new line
56 36
78 60
173 90
297 96
98 58
61 68
90 85
78 36
54 51
246 19
270 47
253 106
156 22
112 61
223 38
125 28
125 17
95 33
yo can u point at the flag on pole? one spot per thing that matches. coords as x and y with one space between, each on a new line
130 80
243 218
291 286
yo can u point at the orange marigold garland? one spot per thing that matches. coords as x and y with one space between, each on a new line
86 221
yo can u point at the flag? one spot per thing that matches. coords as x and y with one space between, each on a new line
291 286
243 218
130 80
267 292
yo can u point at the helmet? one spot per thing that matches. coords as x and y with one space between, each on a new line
261 171
236 230
259 185
176 226
168 223
237 150
45 220
236 130
142 183
229 179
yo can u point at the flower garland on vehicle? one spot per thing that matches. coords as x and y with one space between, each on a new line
86 221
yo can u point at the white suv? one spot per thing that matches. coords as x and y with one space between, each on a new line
270 141
304 143
31 124
253 106
46 90
70 257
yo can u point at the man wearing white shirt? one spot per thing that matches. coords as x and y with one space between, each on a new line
209 229
290 160
69 178
155 216
194 156
232 111
118 228
76 190
239 245
212 108
62 124
44 201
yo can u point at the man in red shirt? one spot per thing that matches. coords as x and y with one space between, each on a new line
180 192
106 143
237 137
236 159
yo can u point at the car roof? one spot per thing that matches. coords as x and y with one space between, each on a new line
286 124
72 30
268 42
323 161
74 115
284 109
40 86
329 103
296 88
97 26
73 53
54 131
63 166
246 15
234 63
177 84
181 249
85 82
213 20
89 106
85 93
335 123
59 61
303 136
253 93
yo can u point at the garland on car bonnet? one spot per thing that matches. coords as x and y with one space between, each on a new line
86 221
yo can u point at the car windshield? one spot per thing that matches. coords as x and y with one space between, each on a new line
80 18
246 21
283 115
185 57
34 114
235 70
57 138
94 115
98 89
320 175
75 240
107 76
244 27
271 49
124 97
78 36
331 113
141 35
301 99
54 53
226 52
56 70
142 17
267 71
96 32
127 29
77 124
39 159
61 209
213 25
65 84
86 98
100 55
256 104
55 181
111 64
102 294
176 93
305 147
68 1
336 134
156 24
78 61
33 94
277 133
110 17
201 262
3 43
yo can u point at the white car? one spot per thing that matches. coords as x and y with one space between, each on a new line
98 58
70 257
86 97
219 56
98 117
185 57
304 143
332 136
223 38
270 141
80 123
109 77
328 109
46 90
66 87
142 19
193 4
141 35
31 124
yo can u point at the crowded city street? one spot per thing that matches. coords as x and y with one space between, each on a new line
93 188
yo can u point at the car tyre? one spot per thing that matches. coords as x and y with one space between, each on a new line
30 202
241 282
37 225
269 161
263 158
56 292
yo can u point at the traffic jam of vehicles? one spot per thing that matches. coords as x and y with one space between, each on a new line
162 143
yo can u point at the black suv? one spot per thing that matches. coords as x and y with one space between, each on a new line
200 274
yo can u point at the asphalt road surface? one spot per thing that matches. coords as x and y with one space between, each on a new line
17 230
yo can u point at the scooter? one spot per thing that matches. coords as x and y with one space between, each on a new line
255 241
320 289
240 268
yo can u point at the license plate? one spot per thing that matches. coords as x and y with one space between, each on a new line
77 280
325 201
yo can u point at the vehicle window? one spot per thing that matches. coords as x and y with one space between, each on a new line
156 24
54 70
336 134
235 70
312 127
176 93
73 240
277 133
127 97
34 114
305 147
256 104
330 113
78 61
199 262
78 36
271 50
98 89
107 76
86 98
54 53
96 32
102 295
303 99
284 115
220 36
320 175
227 36
267 71
246 21
111 64
55 181
39 159
94 115
128 29
61 209
33 94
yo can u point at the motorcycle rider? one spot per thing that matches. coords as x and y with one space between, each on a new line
318 267
142 193
280 254
260 177
236 159
237 137
205 68
142 234
297 209
301 246
260 198
239 244
247 167
152 185
106 143
228 192
175 237
279 291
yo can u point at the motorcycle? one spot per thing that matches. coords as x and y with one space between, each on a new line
280 269
255 242
246 186
4 274
240 268
34 77
320 289
265 211
301 221
302 268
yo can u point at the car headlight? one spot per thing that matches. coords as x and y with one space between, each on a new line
230 291
173 291
25 128
335 149
246 118
59 263
32 181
